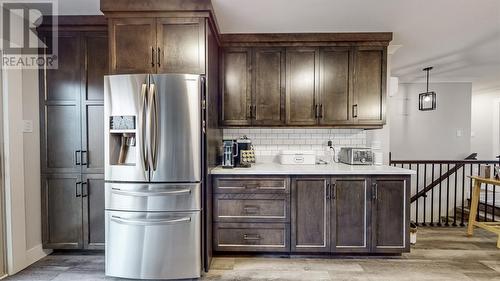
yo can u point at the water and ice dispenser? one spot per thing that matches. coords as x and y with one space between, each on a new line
122 144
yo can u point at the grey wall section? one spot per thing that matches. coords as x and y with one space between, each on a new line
427 135
485 122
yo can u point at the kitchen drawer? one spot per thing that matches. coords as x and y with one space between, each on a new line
251 237
251 208
252 185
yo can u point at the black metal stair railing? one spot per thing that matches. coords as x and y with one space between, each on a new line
441 191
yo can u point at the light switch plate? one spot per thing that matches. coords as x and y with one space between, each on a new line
27 126
460 133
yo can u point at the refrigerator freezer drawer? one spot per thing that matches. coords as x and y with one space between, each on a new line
153 197
160 245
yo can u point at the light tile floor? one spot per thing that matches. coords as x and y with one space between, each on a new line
440 254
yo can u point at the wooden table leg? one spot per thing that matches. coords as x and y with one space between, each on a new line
473 208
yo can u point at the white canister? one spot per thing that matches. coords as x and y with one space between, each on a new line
378 158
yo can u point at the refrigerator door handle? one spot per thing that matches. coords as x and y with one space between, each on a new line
153 126
151 193
143 115
148 222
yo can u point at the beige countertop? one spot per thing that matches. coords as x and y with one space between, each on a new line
328 169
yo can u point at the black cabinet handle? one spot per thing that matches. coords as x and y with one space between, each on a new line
375 191
152 56
77 159
77 185
85 189
249 113
316 115
254 111
84 153
355 111
334 191
158 55
328 191
321 111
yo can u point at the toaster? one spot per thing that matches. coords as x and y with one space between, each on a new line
356 156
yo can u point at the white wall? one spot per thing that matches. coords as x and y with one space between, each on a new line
22 167
428 135
485 125
22 170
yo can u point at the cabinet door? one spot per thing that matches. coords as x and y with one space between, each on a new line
310 217
60 93
269 85
370 69
96 46
335 86
236 86
62 211
180 45
349 219
132 45
390 221
302 73
93 211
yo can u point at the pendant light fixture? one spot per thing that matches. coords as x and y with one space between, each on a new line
427 100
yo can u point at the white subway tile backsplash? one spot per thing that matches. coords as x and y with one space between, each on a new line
269 142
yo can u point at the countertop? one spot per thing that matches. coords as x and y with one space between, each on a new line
329 169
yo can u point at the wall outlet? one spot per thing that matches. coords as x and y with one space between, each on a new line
27 126
460 133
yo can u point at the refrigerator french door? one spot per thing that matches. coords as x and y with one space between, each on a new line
153 173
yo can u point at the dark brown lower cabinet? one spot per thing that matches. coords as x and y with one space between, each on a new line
62 211
390 214
350 222
73 211
310 215
93 211
340 214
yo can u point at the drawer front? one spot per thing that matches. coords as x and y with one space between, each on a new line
250 237
251 208
153 245
252 185
154 197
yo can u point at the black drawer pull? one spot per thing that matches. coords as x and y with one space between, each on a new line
251 209
251 237
252 186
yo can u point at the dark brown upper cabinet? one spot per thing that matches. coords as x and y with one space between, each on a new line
335 95
369 89
302 73
253 86
268 96
180 45
157 45
236 86
132 45
292 80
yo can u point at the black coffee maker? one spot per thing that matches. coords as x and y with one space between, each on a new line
246 155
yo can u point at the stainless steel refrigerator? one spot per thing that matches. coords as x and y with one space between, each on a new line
153 171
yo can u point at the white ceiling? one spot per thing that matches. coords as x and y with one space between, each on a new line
460 38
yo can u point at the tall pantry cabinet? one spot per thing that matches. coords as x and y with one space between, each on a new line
71 136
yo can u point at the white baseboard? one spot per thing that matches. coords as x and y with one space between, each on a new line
35 254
